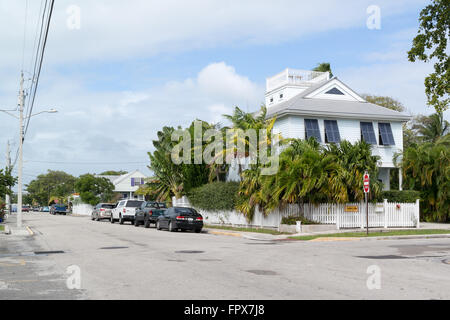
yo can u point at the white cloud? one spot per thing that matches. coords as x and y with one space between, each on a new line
112 30
119 126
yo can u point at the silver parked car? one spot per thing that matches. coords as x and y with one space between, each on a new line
102 211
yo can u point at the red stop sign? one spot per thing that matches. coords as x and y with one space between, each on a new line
366 183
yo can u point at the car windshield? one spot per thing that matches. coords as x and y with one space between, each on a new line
133 204
151 205
107 206
188 211
162 205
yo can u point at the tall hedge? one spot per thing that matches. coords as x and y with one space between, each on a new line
403 196
215 196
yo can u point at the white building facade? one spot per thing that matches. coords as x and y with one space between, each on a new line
127 184
311 104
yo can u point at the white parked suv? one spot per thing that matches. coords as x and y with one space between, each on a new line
125 211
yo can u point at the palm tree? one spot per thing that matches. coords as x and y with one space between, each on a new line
430 128
242 122
356 159
426 168
324 67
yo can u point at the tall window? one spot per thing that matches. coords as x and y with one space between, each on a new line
312 129
385 134
367 133
332 132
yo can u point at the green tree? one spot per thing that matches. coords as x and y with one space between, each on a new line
430 44
323 67
431 128
384 101
56 184
426 168
94 190
6 182
309 173
113 173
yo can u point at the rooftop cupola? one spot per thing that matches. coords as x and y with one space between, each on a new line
290 82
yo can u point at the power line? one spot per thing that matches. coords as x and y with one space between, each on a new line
41 58
89 163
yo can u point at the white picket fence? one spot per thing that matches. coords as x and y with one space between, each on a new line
349 215
82 209
385 214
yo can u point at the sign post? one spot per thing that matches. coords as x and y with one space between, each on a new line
366 192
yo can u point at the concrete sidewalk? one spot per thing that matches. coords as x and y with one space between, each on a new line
12 229
269 237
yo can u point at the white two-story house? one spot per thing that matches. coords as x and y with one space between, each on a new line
311 104
127 184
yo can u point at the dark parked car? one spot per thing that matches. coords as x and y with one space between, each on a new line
179 218
148 213
102 211
58 209
26 209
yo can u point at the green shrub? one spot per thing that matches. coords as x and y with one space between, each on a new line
400 196
215 196
291 220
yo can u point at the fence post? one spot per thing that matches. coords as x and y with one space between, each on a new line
361 214
338 217
417 208
385 213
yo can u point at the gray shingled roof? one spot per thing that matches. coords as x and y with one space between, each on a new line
299 105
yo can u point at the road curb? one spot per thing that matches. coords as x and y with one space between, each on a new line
30 231
225 233
424 236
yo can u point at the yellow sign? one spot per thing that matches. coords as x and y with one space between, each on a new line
351 209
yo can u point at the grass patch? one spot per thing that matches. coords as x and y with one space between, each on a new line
2 228
258 230
373 234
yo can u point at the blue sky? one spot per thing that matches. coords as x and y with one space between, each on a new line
129 70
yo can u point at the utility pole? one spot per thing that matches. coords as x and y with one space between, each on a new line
19 184
8 166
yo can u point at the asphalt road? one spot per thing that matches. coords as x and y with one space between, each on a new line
124 262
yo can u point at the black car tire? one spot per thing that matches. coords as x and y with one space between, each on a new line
198 230
158 227
120 220
171 228
136 223
92 218
112 219
147 223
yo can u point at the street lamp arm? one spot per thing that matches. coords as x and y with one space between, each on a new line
9 113
47 111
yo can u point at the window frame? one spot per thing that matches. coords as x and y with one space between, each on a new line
317 130
370 133
325 121
389 133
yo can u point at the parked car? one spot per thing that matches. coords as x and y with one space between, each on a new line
26 209
102 211
162 205
148 213
58 209
125 211
180 218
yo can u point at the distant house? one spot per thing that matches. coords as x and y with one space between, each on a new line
311 104
127 184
